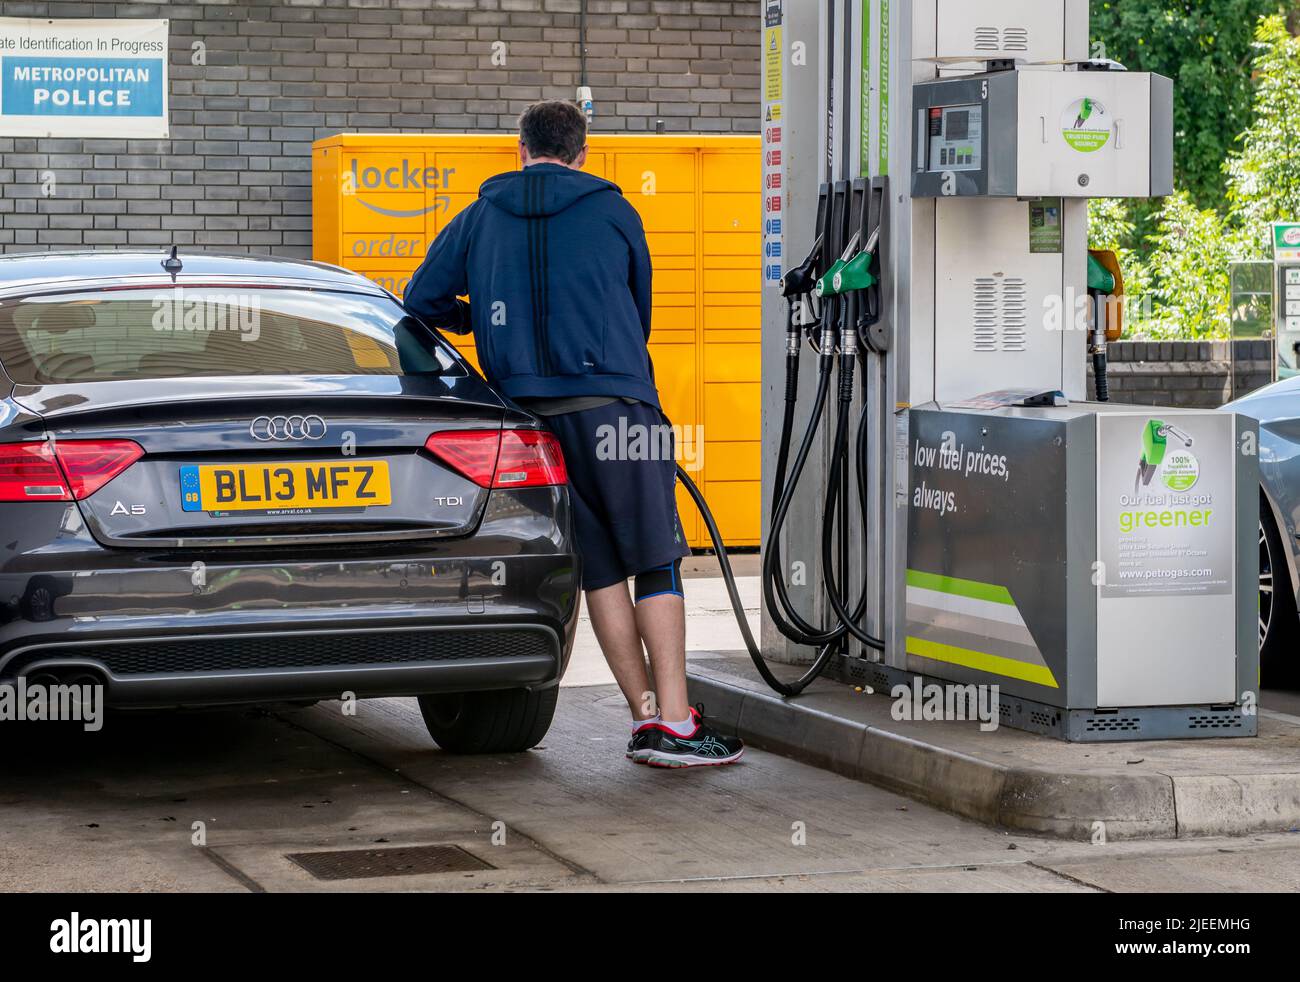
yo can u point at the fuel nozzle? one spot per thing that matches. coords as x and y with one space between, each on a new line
796 285
828 285
856 273
852 271
869 305
799 281
846 279
1155 440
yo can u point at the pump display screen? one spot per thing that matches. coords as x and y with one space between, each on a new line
956 136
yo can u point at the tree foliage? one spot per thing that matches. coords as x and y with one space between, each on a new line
1109 224
1264 176
1206 47
1176 253
1186 293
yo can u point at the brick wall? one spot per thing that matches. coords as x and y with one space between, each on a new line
236 173
1192 374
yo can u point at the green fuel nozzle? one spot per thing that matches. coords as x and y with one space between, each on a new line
1155 441
851 272
855 274
826 285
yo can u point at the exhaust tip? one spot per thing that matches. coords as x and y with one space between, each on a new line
75 676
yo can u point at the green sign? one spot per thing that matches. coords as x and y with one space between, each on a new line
1286 242
885 40
1086 125
864 97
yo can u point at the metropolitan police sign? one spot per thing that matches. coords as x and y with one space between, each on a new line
83 78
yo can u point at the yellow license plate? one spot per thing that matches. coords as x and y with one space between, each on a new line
268 487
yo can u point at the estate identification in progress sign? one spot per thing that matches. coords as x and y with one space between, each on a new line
83 78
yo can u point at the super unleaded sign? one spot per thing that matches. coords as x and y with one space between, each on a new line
83 78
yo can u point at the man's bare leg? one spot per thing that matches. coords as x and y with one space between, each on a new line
614 622
661 623
682 739
620 629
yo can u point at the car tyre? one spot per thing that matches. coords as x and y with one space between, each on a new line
1277 609
501 721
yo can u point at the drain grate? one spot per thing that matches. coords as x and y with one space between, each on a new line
355 864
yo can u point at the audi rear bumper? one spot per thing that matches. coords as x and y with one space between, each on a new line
248 667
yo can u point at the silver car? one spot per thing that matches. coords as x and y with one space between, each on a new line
1277 408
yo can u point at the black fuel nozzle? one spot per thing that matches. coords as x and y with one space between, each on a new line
797 286
799 281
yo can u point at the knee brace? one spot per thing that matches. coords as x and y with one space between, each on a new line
659 581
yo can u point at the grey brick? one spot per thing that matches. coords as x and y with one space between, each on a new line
236 171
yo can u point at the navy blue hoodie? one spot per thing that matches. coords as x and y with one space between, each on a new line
557 269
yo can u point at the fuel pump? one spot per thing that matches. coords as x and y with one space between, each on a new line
962 529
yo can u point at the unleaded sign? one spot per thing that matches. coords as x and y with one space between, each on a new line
83 78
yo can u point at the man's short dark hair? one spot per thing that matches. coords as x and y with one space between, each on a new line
553 129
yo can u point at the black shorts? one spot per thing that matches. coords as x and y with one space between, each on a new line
622 482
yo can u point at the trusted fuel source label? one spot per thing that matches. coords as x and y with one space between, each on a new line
1166 510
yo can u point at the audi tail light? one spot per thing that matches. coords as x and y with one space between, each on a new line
501 459
64 471
90 464
529 458
471 453
29 472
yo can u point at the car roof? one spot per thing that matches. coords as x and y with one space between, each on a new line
42 272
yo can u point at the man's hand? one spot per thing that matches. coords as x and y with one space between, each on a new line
459 320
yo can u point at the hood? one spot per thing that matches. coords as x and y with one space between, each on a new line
1278 400
541 190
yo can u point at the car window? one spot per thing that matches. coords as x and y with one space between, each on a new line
181 333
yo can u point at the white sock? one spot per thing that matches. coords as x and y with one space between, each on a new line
683 729
638 723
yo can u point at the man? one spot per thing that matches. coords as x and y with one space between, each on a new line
557 269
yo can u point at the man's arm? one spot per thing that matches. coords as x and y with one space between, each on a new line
639 269
432 295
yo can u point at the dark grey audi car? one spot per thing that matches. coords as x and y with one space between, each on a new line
227 479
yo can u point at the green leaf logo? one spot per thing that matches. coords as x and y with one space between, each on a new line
1086 125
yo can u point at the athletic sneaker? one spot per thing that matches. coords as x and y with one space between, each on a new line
704 747
638 748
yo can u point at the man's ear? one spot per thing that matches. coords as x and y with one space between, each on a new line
523 153
580 161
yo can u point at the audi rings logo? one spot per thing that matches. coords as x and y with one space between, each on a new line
267 428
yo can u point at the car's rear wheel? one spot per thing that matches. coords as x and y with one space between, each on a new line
1277 610
495 722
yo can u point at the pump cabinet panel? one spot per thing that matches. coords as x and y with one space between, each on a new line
1038 133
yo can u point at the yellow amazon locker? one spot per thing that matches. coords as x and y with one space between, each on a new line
379 200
